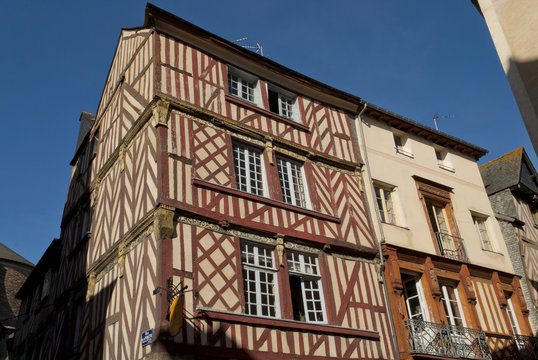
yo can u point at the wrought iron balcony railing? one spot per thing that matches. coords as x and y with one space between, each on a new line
451 246
527 346
446 340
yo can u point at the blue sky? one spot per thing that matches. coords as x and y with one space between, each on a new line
415 58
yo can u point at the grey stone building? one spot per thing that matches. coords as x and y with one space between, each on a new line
512 186
14 269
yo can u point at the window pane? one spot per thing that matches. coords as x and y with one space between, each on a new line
290 175
248 169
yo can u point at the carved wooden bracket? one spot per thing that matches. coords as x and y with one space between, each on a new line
269 149
431 277
91 288
280 248
163 223
498 290
518 292
160 113
392 269
468 287
94 194
121 157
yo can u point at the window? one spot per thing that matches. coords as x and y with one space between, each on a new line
95 142
259 280
292 182
401 144
78 328
482 229
414 298
452 305
242 85
248 163
45 287
512 316
305 285
443 159
283 103
534 213
385 204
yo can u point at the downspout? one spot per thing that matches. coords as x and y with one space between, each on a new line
381 233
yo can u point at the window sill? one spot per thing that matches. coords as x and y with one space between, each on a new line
270 114
285 324
405 153
447 168
395 225
276 203
493 252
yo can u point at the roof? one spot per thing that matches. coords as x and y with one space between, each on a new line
86 122
50 259
162 20
509 171
8 254
407 125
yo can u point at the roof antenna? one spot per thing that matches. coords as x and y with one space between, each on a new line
437 116
258 48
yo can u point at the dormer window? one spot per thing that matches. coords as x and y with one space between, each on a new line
243 85
283 103
401 143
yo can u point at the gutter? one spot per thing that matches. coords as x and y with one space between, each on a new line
381 241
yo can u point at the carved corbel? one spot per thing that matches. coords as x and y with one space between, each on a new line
392 270
269 149
518 292
468 287
95 193
498 290
432 279
358 177
160 113
91 287
280 248
121 157
121 259
163 223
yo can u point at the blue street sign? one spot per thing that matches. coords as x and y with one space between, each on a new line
147 337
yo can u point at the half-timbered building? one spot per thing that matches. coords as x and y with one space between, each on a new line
452 287
219 177
511 184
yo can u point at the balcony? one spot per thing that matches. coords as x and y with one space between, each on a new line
527 346
446 340
451 247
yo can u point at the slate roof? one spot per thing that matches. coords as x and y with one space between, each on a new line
8 254
510 170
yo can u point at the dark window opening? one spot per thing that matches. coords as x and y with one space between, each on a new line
297 298
273 101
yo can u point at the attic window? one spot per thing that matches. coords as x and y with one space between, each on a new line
443 159
401 143
283 103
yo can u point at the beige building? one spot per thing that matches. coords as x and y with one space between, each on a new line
447 266
513 25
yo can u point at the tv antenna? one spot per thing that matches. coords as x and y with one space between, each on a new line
437 117
258 48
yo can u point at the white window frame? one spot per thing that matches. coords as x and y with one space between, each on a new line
446 299
292 110
481 220
296 185
443 159
421 299
381 199
261 255
404 147
514 325
249 153
306 267
244 81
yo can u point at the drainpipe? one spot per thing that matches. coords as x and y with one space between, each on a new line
381 233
